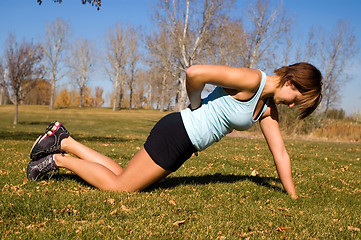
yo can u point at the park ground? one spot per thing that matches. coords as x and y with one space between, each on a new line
230 191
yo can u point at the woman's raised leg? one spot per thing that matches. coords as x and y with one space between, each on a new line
140 172
95 168
83 152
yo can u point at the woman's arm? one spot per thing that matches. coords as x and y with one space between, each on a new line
272 134
241 79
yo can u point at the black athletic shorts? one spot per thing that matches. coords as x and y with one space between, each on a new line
168 143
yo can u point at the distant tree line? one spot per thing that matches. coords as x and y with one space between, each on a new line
147 69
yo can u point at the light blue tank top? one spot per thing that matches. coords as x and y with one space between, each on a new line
219 114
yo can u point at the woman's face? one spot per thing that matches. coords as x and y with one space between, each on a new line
287 95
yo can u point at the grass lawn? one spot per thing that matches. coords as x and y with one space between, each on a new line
212 196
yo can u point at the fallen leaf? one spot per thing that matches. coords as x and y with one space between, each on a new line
110 201
345 168
352 228
100 222
343 182
78 230
247 234
280 229
178 223
220 238
172 202
82 221
254 173
3 172
124 208
25 180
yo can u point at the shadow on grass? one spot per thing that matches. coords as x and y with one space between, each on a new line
100 139
18 136
31 136
70 176
172 182
34 123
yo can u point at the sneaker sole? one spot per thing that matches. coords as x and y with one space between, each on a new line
45 135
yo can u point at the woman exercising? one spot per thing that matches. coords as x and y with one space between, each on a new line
242 97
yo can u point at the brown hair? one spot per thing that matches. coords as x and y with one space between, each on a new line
308 80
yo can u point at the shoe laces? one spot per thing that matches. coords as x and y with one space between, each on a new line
52 174
47 165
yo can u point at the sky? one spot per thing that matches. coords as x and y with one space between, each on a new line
27 20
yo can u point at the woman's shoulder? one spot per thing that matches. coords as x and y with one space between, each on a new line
249 81
253 78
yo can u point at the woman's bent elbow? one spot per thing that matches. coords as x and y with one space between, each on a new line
192 71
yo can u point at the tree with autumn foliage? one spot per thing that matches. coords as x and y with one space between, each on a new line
63 99
39 94
71 98
87 99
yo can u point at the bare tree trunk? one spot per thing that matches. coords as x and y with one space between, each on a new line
16 112
53 83
150 96
116 93
3 89
81 97
120 97
2 94
162 98
131 97
131 87
183 95
52 96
